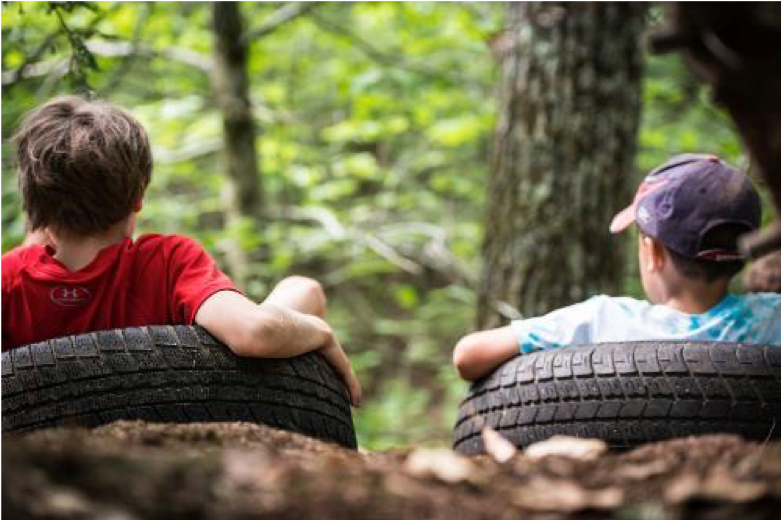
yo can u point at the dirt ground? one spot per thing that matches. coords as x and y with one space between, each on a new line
133 470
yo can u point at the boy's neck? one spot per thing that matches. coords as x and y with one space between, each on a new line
77 252
698 299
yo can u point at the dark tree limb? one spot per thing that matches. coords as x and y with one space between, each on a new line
736 48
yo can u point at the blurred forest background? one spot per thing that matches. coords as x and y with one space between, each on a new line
372 125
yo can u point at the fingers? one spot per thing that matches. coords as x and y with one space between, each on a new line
355 389
353 385
335 355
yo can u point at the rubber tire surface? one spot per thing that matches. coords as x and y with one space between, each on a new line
175 374
627 394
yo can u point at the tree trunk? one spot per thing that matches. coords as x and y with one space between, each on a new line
231 88
563 155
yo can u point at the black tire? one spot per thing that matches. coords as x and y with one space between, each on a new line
627 394
168 374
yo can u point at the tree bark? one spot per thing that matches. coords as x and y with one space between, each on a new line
563 154
231 88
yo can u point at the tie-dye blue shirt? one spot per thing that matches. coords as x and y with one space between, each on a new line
751 318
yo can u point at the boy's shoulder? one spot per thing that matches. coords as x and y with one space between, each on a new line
154 241
21 253
627 304
173 250
767 301
25 256
762 297
634 307
15 260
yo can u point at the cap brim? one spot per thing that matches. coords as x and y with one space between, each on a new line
623 219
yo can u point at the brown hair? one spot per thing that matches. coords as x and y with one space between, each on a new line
724 236
83 165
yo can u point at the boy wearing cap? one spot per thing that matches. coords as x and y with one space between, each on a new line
83 169
690 212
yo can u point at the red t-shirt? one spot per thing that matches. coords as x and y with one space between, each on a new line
154 280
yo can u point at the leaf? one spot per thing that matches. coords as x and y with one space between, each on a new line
499 448
570 447
442 464
720 485
559 495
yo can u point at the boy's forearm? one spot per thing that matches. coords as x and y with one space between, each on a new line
265 330
284 332
479 353
272 330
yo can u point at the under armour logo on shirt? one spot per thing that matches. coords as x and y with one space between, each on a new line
70 296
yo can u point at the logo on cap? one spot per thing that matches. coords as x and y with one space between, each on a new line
70 296
643 215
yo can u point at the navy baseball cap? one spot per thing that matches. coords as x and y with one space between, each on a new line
684 198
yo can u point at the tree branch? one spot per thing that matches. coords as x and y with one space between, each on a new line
387 59
111 49
135 42
186 56
15 76
435 258
277 19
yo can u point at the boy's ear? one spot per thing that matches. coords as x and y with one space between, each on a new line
138 205
655 253
658 255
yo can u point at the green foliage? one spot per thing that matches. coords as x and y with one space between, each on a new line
679 116
376 121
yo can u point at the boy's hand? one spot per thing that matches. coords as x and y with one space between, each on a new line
311 329
335 355
272 330
306 296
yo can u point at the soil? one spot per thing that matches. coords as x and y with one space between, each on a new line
231 471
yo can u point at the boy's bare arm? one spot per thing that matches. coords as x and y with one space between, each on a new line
273 331
477 354
301 294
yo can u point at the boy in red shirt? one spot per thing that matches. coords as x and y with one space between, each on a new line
83 169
